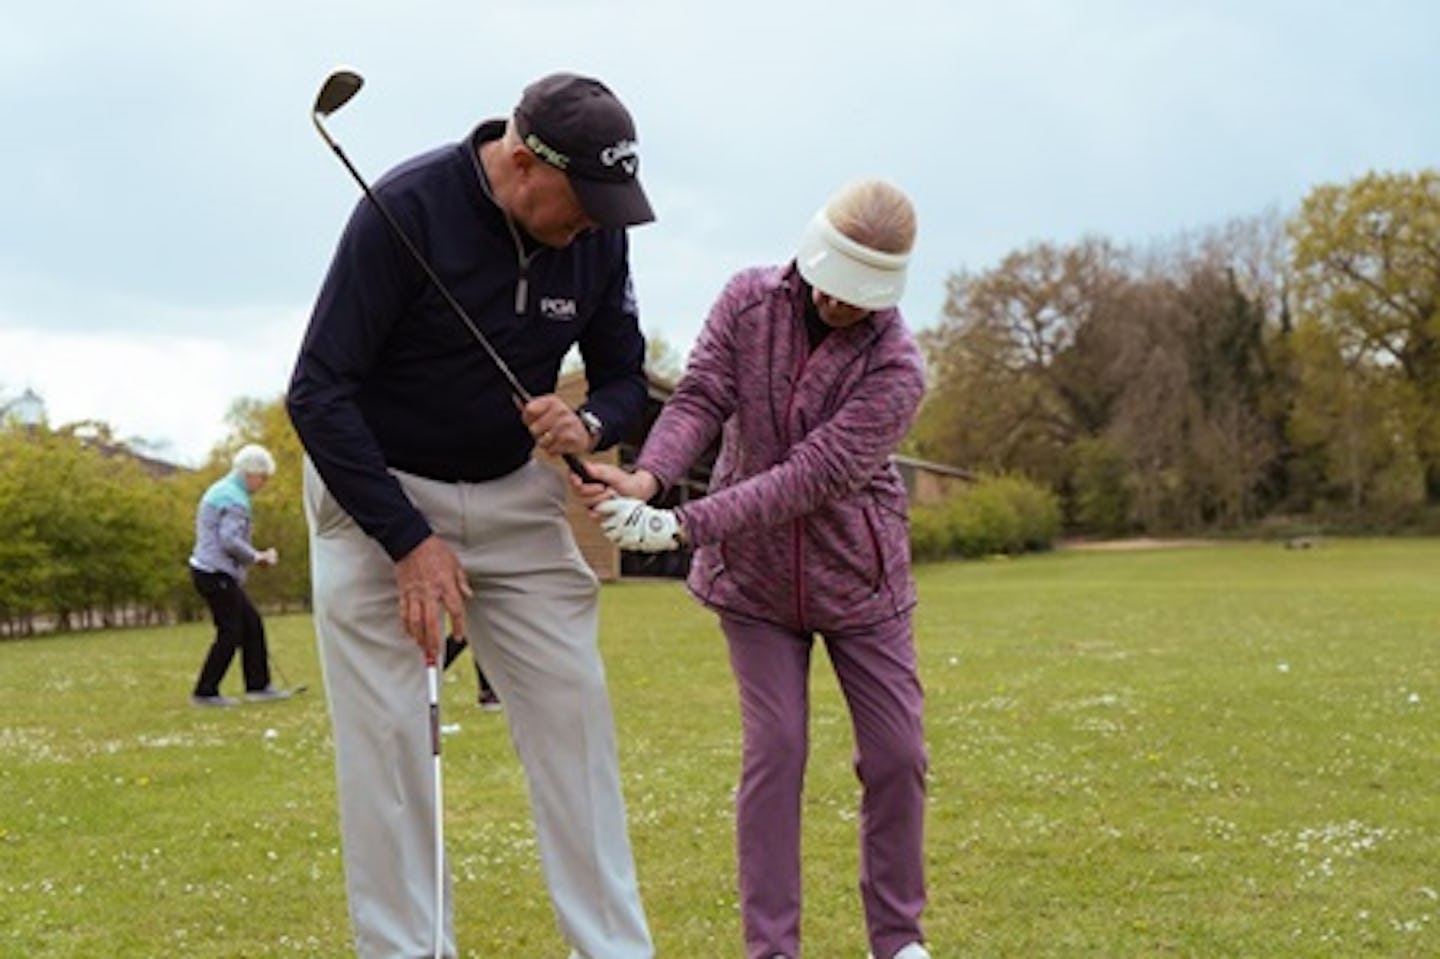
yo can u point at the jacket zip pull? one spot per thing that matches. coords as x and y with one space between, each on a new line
522 259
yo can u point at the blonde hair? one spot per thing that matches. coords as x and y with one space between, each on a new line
875 214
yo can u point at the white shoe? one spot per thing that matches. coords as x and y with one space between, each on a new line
913 951
268 695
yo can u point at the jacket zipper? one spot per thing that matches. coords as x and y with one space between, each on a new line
879 553
797 526
522 283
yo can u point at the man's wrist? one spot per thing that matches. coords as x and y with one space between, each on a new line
593 425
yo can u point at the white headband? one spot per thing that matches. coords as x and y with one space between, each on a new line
838 266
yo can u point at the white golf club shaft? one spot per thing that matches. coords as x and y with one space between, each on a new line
432 679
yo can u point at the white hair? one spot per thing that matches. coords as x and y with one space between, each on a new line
253 458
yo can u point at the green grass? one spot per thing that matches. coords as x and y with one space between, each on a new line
1222 751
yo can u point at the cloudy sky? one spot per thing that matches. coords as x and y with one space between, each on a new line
168 211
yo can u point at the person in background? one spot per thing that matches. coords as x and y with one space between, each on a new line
487 699
218 564
807 373
425 501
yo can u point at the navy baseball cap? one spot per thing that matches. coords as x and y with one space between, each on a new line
576 124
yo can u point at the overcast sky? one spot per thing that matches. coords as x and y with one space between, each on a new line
168 211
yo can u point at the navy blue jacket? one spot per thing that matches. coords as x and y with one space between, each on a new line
389 377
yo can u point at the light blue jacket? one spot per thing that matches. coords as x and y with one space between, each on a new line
222 529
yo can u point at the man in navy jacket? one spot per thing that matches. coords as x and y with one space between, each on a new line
423 496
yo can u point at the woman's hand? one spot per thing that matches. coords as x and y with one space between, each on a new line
613 481
630 524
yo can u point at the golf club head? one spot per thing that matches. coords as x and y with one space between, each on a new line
337 90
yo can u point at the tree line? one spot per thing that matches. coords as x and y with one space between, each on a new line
93 534
1270 370
1266 371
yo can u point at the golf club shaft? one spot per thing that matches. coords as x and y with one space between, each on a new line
516 387
432 681
283 677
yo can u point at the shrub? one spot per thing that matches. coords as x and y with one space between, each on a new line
999 514
984 521
1101 492
1038 511
929 533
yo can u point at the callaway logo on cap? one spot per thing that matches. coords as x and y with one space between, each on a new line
578 125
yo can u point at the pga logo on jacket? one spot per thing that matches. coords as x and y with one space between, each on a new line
558 308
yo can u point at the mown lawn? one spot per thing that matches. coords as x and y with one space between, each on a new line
1220 751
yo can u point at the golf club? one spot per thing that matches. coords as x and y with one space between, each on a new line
432 681
338 89
283 678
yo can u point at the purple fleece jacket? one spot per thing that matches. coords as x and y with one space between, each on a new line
805 524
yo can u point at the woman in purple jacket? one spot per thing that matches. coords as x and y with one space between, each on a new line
808 375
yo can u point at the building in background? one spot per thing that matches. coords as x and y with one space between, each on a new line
27 409
927 482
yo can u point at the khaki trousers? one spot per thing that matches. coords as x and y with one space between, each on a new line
533 621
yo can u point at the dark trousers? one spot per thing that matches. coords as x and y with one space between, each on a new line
237 626
454 646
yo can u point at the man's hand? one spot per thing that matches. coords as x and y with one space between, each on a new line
630 524
267 557
431 581
556 427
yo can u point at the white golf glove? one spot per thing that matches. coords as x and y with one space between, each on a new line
632 525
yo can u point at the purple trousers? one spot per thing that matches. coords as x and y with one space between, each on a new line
876 670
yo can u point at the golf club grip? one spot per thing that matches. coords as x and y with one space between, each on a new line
432 682
578 468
